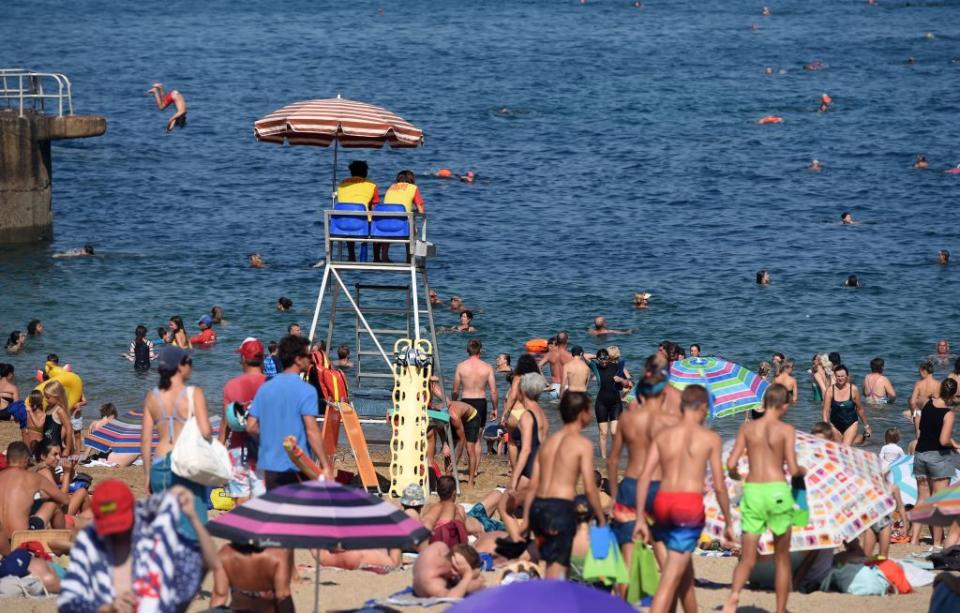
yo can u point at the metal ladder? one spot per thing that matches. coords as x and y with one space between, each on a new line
379 316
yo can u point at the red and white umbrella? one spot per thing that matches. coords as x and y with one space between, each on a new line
337 120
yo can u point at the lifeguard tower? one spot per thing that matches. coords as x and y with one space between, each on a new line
388 301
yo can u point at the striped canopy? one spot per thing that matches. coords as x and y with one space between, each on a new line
349 123
732 388
941 509
122 434
319 514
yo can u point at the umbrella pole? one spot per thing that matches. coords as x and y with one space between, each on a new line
333 189
316 586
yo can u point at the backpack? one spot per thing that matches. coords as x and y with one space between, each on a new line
141 356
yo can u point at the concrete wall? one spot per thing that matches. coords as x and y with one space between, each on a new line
26 170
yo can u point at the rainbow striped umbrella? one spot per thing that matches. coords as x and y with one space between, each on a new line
941 509
122 434
319 515
732 388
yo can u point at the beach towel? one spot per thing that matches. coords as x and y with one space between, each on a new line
644 573
406 598
604 562
166 566
916 574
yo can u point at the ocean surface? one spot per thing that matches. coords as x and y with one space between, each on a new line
616 150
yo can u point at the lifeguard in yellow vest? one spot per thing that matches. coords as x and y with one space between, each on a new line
357 189
406 193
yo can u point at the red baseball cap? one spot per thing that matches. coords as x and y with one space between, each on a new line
112 507
250 349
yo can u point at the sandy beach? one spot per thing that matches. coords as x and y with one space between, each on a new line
345 590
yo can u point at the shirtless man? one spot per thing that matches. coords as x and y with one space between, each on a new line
638 428
174 97
471 381
456 304
442 572
17 503
563 459
253 579
942 358
557 357
786 379
576 372
446 520
600 328
767 503
466 425
682 452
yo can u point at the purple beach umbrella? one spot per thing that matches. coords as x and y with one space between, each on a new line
542 595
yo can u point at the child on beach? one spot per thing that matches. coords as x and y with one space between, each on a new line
890 453
564 458
767 503
682 454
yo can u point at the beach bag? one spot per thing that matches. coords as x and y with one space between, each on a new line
22 587
869 581
644 573
604 562
195 458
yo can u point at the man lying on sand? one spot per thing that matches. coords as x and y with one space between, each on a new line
442 572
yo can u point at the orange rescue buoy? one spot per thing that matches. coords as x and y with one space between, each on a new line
536 345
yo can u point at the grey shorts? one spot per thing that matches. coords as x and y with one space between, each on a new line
933 465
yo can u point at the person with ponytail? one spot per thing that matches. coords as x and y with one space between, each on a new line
57 426
165 410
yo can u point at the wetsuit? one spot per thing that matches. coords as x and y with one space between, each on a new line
515 435
843 414
608 404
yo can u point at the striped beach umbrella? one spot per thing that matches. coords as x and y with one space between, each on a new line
731 387
941 509
122 434
319 515
343 122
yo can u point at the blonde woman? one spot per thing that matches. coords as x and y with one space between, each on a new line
785 378
57 427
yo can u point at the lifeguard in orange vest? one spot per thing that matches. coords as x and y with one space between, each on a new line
405 193
357 189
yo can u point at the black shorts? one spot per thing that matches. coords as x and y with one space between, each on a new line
607 409
480 404
554 523
471 429
273 480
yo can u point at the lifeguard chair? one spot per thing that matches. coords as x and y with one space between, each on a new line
388 301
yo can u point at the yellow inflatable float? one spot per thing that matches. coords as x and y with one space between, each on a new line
70 381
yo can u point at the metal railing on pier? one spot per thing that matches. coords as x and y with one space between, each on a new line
26 90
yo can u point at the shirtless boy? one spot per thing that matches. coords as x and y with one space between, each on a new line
442 572
173 97
253 579
767 503
576 372
445 519
682 453
557 357
638 428
19 485
564 457
471 381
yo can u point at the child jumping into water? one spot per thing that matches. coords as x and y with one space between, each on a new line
767 502
682 453
173 97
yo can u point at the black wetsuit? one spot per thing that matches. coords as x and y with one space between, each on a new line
608 404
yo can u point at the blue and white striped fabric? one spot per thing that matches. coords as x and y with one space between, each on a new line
901 475
167 568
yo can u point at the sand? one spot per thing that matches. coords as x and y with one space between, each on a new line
341 589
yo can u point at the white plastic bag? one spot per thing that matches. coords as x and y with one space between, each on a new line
197 459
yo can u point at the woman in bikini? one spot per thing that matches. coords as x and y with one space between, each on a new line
62 473
785 378
173 97
165 410
180 337
843 409
876 386
36 419
513 406
8 389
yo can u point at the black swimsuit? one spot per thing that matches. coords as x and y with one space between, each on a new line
534 445
842 414
608 404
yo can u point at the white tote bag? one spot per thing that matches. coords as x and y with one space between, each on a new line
197 459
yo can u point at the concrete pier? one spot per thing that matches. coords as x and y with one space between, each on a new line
26 169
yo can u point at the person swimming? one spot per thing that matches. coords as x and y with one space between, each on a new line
815 65
641 300
815 166
85 251
943 257
852 281
173 97
921 161
846 219
769 119
256 260
470 177
825 102
954 171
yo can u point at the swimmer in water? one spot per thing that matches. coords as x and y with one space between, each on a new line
465 325
852 281
600 328
768 119
815 166
763 277
173 97
470 177
954 171
921 161
434 297
86 250
943 257
768 71
765 11
825 102
846 218
641 300
816 65
911 60
256 260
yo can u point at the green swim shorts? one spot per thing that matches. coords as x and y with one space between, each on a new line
766 505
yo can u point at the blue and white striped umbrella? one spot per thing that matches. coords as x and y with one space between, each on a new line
901 475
